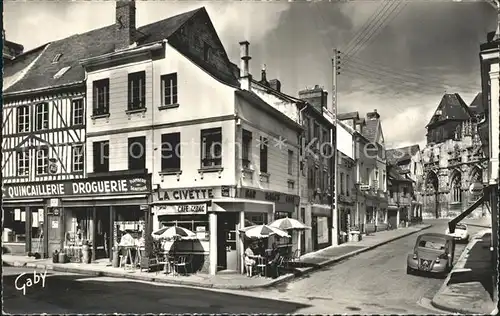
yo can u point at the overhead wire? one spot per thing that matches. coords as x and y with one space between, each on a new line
401 76
352 43
396 10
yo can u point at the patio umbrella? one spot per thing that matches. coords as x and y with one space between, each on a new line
263 231
173 232
288 224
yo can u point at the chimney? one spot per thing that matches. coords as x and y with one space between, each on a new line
316 96
275 84
373 115
245 77
125 24
263 79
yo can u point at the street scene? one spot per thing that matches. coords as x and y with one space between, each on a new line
284 157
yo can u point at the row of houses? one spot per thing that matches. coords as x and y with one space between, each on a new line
155 126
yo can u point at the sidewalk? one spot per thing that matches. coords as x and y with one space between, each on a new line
469 286
308 263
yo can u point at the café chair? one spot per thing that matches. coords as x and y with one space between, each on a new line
261 266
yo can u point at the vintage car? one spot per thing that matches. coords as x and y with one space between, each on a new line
461 233
432 253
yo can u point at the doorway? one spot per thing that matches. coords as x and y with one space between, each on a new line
227 254
103 235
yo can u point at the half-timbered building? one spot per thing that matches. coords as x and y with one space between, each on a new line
43 141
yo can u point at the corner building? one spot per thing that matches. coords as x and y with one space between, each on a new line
168 104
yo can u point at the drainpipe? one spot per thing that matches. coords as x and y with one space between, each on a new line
299 176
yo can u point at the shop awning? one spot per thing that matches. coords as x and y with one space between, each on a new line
453 223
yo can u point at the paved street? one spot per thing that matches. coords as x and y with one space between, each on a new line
70 293
372 282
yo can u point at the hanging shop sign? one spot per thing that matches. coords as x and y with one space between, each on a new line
180 209
79 187
476 189
196 193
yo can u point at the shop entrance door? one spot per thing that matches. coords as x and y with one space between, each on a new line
53 230
392 218
103 235
227 255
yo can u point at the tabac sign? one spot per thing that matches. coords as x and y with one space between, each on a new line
78 187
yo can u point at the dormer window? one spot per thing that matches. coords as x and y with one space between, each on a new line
61 72
56 58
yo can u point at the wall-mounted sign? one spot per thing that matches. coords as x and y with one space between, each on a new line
180 209
200 193
54 202
53 166
269 196
79 187
476 188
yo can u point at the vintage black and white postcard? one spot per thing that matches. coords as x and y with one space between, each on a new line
250 157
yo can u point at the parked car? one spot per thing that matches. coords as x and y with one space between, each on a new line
461 233
432 253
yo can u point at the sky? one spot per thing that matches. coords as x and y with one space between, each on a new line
396 57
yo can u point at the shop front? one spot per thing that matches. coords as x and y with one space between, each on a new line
215 215
321 223
73 213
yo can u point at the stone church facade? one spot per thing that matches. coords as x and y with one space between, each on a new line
453 158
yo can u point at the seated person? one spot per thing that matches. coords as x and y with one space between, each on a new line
273 261
249 259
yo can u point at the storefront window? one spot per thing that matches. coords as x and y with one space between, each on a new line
195 223
77 226
36 223
255 219
279 215
14 223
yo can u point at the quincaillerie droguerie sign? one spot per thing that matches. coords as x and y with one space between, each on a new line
79 187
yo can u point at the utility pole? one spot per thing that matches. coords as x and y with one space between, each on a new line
334 172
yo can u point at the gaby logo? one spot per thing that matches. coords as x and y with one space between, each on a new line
22 284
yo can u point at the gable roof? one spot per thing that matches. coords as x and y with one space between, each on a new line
476 106
400 154
452 107
91 44
394 174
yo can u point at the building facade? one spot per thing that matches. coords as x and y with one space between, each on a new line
43 143
213 157
346 190
401 197
370 183
453 158
408 161
490 131
317 172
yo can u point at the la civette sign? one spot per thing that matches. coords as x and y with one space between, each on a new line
77 187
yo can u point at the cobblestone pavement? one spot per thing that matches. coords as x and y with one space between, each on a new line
372 282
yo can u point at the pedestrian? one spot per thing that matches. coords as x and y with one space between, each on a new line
273 262
249 260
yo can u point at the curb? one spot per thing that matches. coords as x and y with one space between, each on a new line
435 302
276 281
